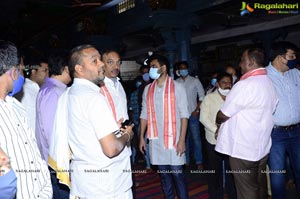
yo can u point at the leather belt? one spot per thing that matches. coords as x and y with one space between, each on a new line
289 127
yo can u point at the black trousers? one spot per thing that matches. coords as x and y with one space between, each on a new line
215 179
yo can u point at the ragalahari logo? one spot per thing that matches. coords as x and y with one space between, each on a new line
246 9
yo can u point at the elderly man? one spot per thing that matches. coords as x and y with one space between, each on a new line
16 138
247 117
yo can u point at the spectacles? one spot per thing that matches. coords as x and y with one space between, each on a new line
111 62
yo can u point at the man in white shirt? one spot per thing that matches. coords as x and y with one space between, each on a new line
16 138
100 162
247 117
195 94
35 74
112 63
210 105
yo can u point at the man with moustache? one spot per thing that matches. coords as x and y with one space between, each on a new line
112 88
210 105
99 159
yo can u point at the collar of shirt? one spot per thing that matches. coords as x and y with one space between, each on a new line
271 69
87 83
110 82
32 84
55 82
184 80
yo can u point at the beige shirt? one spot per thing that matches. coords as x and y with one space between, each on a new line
210 106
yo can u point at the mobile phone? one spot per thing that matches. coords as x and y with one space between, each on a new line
126 123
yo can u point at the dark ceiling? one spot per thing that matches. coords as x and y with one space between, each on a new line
60 24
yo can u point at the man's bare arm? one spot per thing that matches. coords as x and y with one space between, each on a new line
113 145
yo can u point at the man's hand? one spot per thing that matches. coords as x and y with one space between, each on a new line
196 113
180 148
4 163
142 146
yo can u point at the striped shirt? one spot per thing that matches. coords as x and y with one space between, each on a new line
287 86
18 141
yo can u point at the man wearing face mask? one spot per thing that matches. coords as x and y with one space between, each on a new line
246 122
16 137
195 94
210 105
8 178
232 71
286 131
165 115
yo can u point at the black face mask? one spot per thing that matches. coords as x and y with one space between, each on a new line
291 63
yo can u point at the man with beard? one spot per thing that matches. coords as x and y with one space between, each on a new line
99 159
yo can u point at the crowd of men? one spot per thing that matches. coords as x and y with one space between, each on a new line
68 135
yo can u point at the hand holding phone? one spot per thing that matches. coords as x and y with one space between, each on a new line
126 123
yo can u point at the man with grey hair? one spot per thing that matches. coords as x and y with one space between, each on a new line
16 137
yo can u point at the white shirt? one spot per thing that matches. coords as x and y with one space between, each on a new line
90 119
30 90
193 88
18 141
210 106
159 155
250 106
118 95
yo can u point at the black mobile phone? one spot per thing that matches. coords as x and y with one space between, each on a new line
126 123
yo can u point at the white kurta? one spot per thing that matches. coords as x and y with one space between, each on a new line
159 155
94 175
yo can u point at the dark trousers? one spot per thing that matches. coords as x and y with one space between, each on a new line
284 142
215 179
60 191
169 175
250 178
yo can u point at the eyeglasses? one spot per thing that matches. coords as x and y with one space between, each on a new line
111 62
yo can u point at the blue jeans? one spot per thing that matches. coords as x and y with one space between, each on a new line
284 142
193 135
169 175
60 191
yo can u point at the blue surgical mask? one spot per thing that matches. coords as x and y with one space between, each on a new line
183 72
153 73
213 82
291 63
9 188
138 84
146 77
17 84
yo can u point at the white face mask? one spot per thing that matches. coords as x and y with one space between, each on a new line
234 78
223 92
